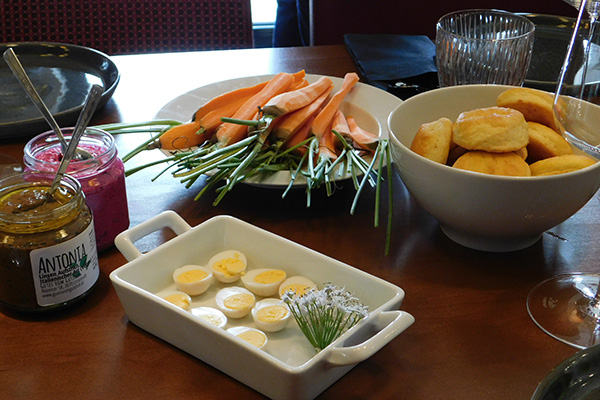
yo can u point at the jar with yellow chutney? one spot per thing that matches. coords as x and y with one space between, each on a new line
48 255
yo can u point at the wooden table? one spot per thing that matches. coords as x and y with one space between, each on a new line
472 338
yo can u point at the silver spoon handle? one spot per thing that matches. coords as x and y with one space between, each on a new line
67 156
89 107
15 65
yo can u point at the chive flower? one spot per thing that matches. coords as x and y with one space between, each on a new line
324 315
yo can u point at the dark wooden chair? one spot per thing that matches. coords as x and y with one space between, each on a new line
331 19
130 26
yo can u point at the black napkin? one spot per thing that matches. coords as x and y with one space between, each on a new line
401 64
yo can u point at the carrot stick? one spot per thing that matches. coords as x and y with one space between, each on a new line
230 133
228 97
323 120
299 76
301 135
212 120
246 92
340 125
296 99
182 136
327 144
360 137
299 84
294 121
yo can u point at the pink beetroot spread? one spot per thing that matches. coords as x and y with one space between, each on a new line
104 192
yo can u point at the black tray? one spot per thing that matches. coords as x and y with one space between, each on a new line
62 74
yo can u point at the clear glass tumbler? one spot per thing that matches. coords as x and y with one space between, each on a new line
483 47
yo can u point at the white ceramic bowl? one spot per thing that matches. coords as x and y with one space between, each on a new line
483 212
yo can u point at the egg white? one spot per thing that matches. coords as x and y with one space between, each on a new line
270 326
295 280
225 293
184 296
224 277
210 315
196 287
239 330
261 289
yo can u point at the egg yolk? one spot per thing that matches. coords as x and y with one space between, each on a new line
230 266
195 275
271 276
271 313
253 337
238 301
298 288
179 300
212 319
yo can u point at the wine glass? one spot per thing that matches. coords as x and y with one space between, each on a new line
567 307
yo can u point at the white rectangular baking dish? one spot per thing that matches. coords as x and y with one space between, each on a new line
293 369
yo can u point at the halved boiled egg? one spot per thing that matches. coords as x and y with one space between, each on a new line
228 266
235 301
210 315
263 281
251 335
297 284
271 315
193 279
180 299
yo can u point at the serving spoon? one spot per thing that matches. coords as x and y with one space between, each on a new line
17 68
91 102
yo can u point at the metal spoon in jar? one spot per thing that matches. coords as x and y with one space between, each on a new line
17 68
91 102
48 196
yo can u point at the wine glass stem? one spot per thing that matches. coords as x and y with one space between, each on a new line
588 46
592 309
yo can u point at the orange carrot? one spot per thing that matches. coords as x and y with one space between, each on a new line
235 94
362 138
212 120
182 136
340 125
322 122
301 135
226 98
294 121
326 143
299 76
299 84
296 99
230 133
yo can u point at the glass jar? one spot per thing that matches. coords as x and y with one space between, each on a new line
48 255
102 177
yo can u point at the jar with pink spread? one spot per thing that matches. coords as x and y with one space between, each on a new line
102 177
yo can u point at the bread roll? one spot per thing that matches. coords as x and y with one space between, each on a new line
545 143
511 164
433 140
522 152
560 164
492 129
535 105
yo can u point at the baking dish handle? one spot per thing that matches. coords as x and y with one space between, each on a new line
388 323
125 241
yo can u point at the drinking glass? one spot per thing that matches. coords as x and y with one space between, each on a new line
483 47
567 307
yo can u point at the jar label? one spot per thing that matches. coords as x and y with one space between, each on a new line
66 270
